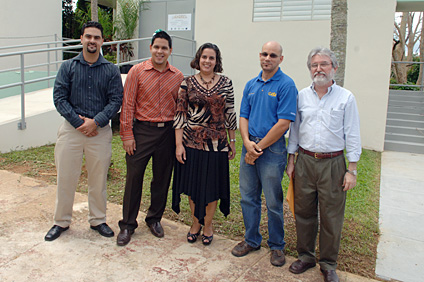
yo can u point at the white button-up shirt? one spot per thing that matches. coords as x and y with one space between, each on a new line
328 124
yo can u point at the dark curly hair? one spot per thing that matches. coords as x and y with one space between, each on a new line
195 62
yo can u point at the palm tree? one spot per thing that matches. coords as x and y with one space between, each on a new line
94 11
339 36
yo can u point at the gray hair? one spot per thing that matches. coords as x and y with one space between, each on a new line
323 52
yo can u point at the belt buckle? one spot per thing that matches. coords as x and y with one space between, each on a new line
316 155
161 124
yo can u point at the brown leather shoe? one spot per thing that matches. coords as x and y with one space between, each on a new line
156 229
124 237
278 258
242 249
330 275
299 266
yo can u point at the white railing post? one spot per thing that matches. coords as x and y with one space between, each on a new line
48 65
22 123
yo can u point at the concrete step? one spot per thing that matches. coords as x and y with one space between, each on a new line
400 146
416 139
405 130
405 116
405 123
406 93
412 109
407 98
405 103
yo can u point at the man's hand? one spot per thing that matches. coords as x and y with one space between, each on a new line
180 153
253 152
129 146
349 181
89 127
290 166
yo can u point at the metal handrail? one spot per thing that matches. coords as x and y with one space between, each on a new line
40 43
49 77
421 85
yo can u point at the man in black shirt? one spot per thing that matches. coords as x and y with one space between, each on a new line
87 93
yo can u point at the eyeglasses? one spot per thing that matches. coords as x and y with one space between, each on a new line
322 65
272 55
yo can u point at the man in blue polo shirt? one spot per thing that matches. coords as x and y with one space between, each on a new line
267 108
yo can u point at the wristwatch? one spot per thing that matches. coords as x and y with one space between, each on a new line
353 172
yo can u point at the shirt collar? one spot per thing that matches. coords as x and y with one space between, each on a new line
100 60
276 76
149 66
329 89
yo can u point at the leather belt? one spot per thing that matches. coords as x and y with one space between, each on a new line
156 124
321 155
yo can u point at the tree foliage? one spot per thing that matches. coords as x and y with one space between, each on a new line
105 18
126 22
68 19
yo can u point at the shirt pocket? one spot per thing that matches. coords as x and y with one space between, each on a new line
336 120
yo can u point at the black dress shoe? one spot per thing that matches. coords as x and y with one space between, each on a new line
104 230
330 275
54 232
156 229
124 237
299 266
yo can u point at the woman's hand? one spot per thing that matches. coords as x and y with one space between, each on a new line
232 151
180 153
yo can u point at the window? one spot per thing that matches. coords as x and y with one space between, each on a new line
291 10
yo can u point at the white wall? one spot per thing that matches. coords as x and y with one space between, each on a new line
370 24
368 60
229 25
28 21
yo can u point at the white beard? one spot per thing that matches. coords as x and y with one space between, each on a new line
323 79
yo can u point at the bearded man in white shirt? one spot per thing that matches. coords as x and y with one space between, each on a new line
327 122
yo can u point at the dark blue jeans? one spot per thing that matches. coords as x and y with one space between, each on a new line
266 174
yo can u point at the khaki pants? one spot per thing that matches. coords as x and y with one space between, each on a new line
318 184
70 147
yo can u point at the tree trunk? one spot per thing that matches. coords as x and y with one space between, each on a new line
94 11
398 52
420 77
339 36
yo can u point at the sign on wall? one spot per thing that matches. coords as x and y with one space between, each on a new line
179 22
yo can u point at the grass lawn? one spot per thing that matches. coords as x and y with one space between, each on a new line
360 233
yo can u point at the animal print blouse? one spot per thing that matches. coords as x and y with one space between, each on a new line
205 114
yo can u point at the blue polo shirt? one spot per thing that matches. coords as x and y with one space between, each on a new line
265 102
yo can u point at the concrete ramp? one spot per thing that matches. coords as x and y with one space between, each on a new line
42 121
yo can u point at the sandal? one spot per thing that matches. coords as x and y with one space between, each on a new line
192 237
207 240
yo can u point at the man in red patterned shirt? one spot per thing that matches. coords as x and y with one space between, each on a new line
147 115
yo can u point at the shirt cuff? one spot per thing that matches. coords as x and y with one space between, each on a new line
126 135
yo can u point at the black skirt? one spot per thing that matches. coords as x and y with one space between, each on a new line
205 178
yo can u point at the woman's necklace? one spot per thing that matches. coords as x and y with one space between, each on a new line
206 83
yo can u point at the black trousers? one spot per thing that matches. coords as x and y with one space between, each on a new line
158 144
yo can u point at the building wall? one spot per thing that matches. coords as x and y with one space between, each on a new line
26 22
370 25
368 60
